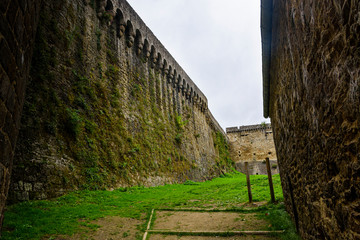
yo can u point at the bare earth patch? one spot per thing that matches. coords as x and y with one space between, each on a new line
111 228
208 221
163 237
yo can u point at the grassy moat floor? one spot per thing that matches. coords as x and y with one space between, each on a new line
124 213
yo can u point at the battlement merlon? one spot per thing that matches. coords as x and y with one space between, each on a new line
247 128
129 23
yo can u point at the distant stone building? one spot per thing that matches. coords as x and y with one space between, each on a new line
253 144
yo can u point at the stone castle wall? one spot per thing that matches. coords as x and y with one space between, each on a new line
251 143
106 105
258 167
18 21
311 84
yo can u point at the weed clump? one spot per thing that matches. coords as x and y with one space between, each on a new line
73 123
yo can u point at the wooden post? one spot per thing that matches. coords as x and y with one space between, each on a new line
270 180
248 182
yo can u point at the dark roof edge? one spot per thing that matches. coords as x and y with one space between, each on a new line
266 35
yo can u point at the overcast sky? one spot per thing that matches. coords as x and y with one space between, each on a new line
217 43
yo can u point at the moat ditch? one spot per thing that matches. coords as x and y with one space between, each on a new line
216 209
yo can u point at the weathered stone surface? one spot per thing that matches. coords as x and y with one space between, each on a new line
97 115
251 143
315 113
257 167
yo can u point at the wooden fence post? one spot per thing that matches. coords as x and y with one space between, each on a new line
270 180
248 182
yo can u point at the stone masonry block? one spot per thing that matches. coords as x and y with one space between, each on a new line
11 99
2 176
38 186
19 29
20 90
2 201
5 152
21 185
17 115
3 112
24 5
7 59
4 85
7 179
4 6
12 12
15 187
2 207
10 129
7 32
28 187
22 196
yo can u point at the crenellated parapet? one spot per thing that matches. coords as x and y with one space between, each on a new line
130 27
249 128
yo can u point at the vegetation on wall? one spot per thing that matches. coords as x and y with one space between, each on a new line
102 115
222 146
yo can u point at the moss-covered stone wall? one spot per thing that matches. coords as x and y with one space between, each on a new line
107 106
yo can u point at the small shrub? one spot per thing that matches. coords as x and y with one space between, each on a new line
73 124
135 149
98 39
136 90
189 182
178 138
90 158
180 123
50 126
112 72
95 178
90 126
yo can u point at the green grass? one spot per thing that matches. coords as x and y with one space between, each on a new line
280 219
34 219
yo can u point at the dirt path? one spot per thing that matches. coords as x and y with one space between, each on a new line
186 220
189 221
111 228
163 237
208 221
